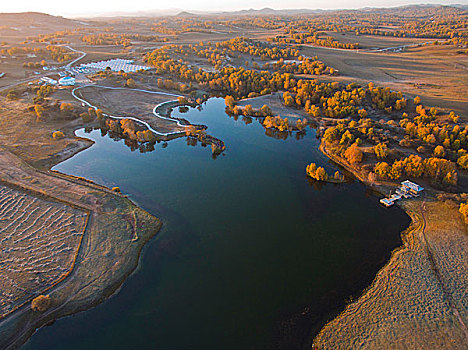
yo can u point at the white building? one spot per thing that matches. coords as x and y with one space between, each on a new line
47 80
115 65
67 81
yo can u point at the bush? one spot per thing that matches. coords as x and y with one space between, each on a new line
131 83
463 162
58 135
41 303
464 211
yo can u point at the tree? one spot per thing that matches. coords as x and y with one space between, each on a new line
382 169
66 108
99 114
182 100
439 152
288 100
39 112
229 101
362 112
41 303
464 211
58 135
266 110
381 151
317 173
248 110
131 83
463 161
353 154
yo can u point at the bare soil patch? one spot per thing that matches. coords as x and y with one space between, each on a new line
39 239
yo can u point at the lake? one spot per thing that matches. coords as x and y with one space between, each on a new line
252 254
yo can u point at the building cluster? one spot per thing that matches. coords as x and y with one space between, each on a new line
65 81
407 189
115 65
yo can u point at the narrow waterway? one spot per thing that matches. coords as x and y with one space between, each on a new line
253 255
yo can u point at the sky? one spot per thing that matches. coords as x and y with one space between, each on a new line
82 7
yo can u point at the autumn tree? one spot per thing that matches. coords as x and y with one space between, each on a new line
39 112
288 100
229 101
381 151
439 152
41 303
353 154
66 108
99 114
362 113
464 211
463 161
58 135
131 83
382 169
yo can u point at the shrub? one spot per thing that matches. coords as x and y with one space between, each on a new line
58 135
41 303
464 211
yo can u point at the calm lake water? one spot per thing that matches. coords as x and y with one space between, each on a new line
252 254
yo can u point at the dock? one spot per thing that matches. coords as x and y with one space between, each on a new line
406 190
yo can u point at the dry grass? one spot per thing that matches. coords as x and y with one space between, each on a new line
32 140
126 102
40 240
436 73
419 299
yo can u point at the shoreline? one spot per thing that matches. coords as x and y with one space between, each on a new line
350 327
72 294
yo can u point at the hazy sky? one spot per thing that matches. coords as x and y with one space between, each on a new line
68 7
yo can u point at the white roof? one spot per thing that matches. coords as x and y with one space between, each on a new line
412 185
116 65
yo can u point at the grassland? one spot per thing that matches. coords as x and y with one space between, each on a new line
127 102
419 299
438 74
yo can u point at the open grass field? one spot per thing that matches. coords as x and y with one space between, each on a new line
130 103
40 240
438 74
368 42
32 140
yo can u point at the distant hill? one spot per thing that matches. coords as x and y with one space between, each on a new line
185 14
30 18
269 11
31 23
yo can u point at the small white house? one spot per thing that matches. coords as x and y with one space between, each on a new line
411 187
67 81
49 81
